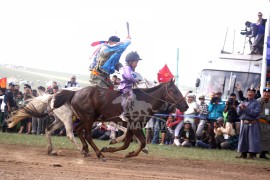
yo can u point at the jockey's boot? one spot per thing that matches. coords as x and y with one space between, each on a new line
124 117
176 141
243 155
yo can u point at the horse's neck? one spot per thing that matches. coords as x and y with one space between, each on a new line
156 97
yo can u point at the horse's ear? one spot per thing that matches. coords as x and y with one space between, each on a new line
172 80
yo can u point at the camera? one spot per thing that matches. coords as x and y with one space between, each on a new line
230 101
214 99
245 32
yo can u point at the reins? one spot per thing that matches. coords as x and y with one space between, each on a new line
175 102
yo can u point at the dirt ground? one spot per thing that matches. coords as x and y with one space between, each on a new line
31 162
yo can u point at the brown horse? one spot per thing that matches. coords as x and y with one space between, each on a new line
91 102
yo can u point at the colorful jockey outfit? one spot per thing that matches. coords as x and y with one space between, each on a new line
127 82
105 61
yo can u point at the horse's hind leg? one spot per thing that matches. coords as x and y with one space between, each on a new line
139 134
127 141
64 113
50 129
89 139
79 129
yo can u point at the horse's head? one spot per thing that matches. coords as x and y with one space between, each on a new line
174 96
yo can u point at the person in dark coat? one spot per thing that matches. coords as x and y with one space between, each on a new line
249 137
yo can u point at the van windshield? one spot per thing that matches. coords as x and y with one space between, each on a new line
226 81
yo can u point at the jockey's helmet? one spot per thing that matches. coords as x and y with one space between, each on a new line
114 39
133 56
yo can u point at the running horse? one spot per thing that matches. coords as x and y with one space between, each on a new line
91 102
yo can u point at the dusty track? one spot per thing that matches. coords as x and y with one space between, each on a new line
31 162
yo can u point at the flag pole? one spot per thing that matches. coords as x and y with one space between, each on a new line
177 61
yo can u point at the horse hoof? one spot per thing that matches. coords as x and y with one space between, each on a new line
104 149
145 151
85 154
127 156
103 159
113 141
54 153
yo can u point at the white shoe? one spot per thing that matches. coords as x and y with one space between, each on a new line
176 142
124 118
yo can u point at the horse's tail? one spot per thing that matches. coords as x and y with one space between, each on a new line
35 107
33 111
64 96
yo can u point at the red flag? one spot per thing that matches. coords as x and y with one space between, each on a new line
164 75
3 82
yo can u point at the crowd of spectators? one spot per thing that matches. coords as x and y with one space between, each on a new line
241 125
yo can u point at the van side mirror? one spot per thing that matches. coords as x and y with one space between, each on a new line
198 81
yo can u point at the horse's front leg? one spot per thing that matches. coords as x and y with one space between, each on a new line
140 136
49 130
127 141
121 138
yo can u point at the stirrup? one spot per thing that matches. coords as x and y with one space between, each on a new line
124 118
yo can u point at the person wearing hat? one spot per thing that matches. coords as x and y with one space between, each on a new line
72 82
189 115
219 138
216 107
203 115
264 123
128 81
105 61
249 137
187 135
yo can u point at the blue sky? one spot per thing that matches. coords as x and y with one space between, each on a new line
56 34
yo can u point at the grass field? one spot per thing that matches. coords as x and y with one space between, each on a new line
174 152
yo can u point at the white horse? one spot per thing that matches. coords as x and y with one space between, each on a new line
63 117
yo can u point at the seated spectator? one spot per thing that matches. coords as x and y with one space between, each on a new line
170 130
179 122
187 135
207 139
218 133
101 132
231 138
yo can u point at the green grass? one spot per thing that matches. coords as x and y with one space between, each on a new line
154 150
